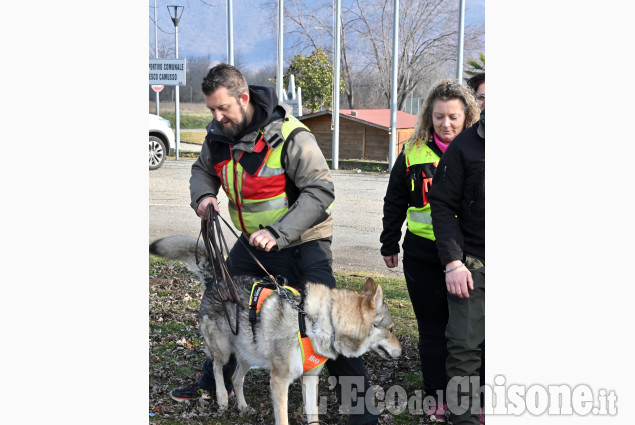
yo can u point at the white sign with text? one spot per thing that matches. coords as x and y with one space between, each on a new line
167 72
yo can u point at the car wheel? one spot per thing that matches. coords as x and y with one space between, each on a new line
157 152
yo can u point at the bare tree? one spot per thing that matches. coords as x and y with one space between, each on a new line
428 34
428 37
265 76
166 48
311 26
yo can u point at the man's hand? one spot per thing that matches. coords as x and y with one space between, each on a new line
201 210
391 260
457 281
262 239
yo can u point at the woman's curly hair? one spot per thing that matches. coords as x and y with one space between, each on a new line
444 90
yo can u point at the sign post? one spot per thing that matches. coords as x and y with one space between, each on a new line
157 88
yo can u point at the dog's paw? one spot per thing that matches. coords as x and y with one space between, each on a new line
246 410
202 403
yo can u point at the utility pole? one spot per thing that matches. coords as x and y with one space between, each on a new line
393 97
279 89
336 88
459 59
230 33
156 49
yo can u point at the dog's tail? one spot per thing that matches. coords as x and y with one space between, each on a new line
181 248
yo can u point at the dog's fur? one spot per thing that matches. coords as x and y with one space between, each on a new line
338 322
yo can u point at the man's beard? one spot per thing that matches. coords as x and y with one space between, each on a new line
233 130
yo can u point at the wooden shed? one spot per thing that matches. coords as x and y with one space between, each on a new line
364 133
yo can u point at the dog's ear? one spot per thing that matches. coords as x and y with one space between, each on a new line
369 286
378 298
375 299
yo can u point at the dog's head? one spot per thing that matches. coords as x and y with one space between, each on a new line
381 335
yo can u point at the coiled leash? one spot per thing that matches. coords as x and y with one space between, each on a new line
216 247
222 281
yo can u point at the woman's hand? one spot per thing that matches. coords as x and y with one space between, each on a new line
391 260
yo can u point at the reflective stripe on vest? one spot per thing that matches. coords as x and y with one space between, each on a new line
418 217
257 197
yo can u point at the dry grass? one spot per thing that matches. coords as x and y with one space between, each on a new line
196 137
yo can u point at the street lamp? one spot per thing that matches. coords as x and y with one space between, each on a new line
156 48
175 14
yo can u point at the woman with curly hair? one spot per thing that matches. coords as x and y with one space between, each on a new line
449 109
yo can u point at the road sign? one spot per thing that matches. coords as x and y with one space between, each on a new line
157 88
167 72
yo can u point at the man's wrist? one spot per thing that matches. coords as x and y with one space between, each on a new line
206 195
453 265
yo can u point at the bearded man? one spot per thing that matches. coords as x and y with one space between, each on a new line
280 192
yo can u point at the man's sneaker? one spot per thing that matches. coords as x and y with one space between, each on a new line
193 392
437 413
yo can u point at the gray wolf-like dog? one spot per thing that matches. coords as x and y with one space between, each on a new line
337 321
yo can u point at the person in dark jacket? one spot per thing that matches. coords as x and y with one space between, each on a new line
477 84
281 203
457 198
449 109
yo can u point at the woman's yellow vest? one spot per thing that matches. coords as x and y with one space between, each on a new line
421 163
255 183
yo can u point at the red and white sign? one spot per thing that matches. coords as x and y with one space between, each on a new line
156 88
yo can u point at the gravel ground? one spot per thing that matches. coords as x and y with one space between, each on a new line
357 213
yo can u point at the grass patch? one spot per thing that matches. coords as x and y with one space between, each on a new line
189 120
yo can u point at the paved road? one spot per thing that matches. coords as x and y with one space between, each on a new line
357 214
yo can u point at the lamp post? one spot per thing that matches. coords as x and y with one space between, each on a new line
392 147
156 48
175 14
279 76
230 33
459 55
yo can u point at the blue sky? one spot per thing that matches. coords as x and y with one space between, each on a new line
203 28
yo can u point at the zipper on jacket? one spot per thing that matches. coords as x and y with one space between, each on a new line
237 195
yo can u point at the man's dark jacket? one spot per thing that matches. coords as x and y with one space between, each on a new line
457 198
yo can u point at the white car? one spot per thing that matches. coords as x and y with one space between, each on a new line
162 141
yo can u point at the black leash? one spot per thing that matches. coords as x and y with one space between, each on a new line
216 247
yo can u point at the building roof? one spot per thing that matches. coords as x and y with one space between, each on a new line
375 117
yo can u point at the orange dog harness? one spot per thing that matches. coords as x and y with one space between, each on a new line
260 291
